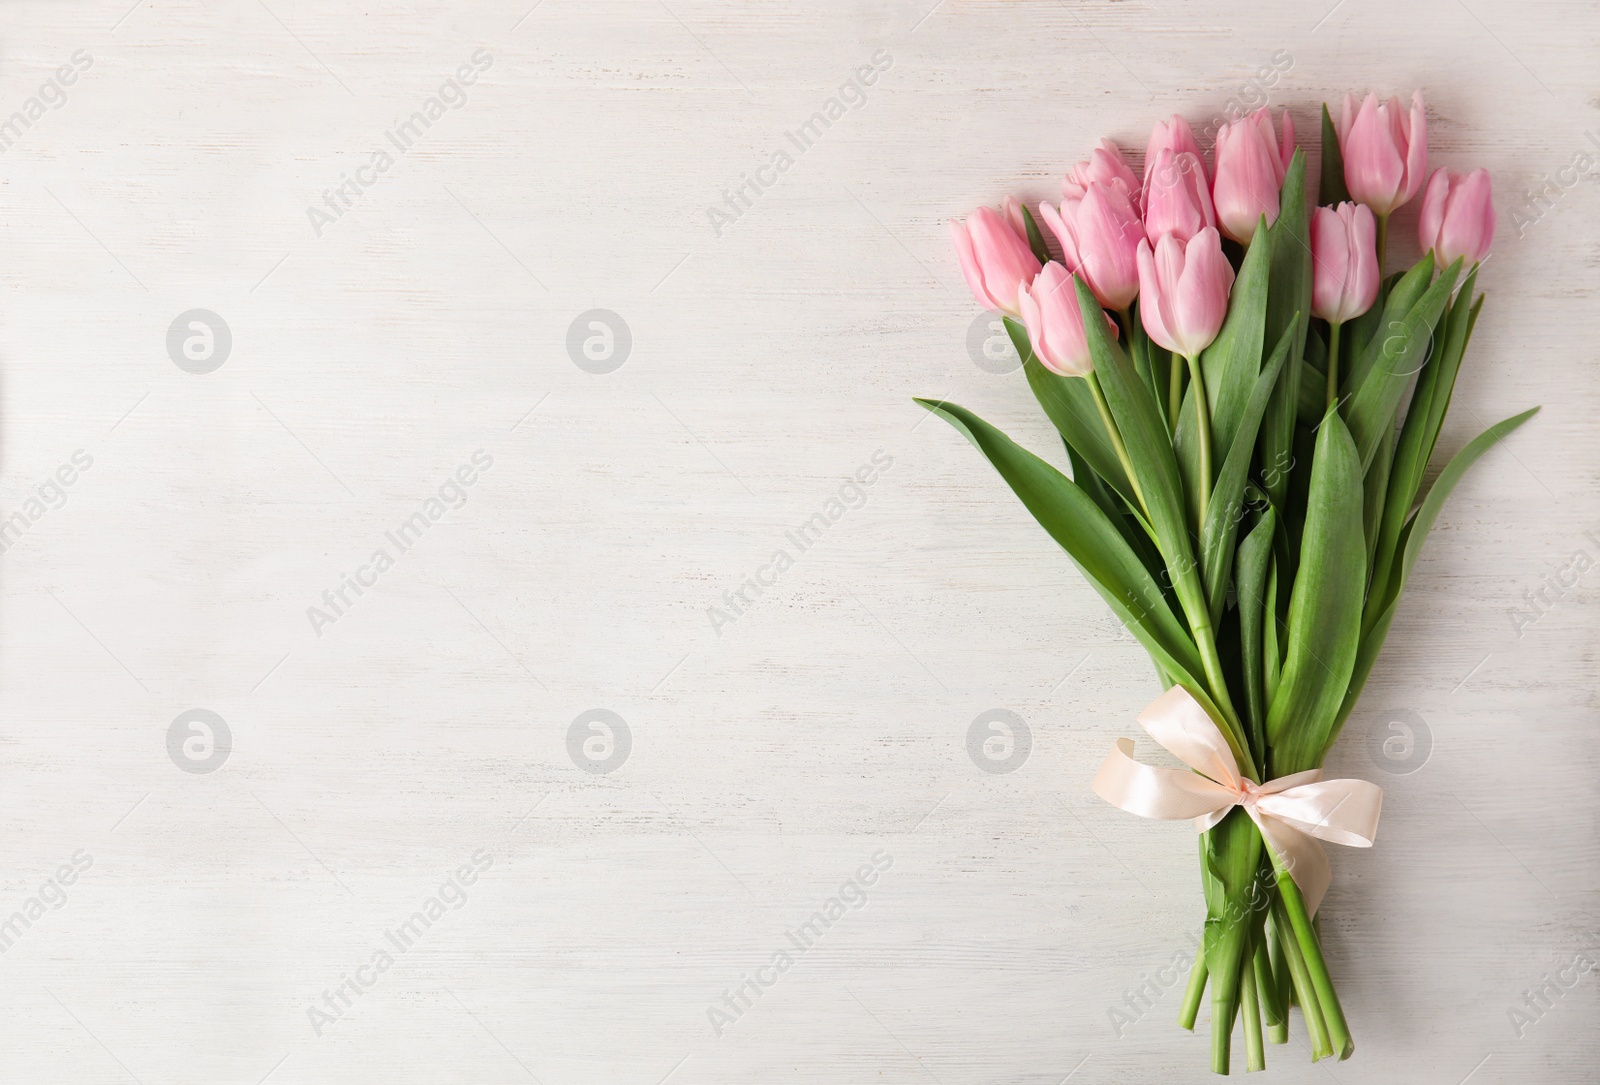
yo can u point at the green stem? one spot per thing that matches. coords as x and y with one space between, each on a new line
1280 972
1203 425
1333 364
1383 241
1310 949
1224 1009
1272 1007
1305 993
1174 396
1116 440
1255 1055
1193 993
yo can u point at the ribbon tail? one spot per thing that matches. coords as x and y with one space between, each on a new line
1301 855
1150 792
1295 812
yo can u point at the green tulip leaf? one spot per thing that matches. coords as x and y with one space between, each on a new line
1324 607
1376 491
1399 294
1255 555
1424 418
1221 529
1331 191
1288 305
1271 644
1233 361
1127 521
1035 238
1370 412
1186 447
1313 392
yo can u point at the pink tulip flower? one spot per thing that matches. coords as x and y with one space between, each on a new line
1344 262
1385 150
1055 322
1099 235
995 257
1177 197
1184 291
1250 163
1174 135
1105 166
1457 217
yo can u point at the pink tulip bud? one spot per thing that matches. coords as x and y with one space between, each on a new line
1457 217
1177 197
1104 166
1183 291
1250 163
1344 262
1099 236
1055 322
1385 150
995 258
1175 136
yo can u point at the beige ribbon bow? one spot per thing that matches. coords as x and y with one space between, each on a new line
1289 811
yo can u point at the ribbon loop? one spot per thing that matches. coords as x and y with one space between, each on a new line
1292 812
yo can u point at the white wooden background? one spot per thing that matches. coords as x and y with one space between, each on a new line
771 757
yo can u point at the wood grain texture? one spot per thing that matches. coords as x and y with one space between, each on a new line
773 755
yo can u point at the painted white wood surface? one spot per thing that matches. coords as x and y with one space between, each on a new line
774 756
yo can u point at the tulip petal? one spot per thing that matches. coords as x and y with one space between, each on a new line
1152 292
1416 146
1059 226
1173 135
969 265
1364 277
1202 296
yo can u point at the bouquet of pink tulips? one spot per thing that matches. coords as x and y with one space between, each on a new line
1226 364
